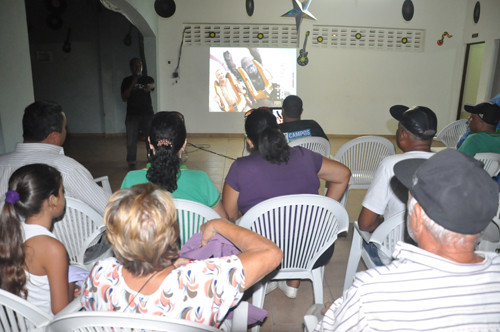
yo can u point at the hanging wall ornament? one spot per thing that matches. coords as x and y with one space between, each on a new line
408 10
300 10
165 8
249 6
441 41
477 12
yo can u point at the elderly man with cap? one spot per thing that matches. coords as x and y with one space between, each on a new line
443 284
386 197
483 121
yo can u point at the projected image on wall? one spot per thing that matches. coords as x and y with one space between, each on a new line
243 78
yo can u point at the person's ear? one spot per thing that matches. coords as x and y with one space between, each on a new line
184 145
53 138
416 219
52 201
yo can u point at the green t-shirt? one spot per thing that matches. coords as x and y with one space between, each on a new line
484 141
191 185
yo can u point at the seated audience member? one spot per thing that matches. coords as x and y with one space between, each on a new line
442 284
386 196
148 277
33 263
44 132
167 140
293 127
275 169
483 136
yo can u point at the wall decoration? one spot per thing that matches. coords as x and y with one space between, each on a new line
303 60
404 40
212 34
300 10
358 35
408 10
67 44
260 35
165 8
320 39
441 41
477 12
249 7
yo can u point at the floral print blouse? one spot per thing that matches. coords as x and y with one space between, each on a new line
202 291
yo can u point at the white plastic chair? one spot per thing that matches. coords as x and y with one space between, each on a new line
303 226
313 143
17 314
80 228
190 216
451 134
385 237
71 319
362 156
489 240
103 182
491 162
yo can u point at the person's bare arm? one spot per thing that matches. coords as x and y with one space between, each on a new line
259 256
220 209
55 264
230 202
368 220
337 176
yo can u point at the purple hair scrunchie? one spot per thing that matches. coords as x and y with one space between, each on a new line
12 196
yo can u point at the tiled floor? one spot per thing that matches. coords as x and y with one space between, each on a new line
106 156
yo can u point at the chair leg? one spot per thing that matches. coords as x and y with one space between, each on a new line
317 281
354 257
258 296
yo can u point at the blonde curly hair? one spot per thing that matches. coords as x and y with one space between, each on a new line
142 228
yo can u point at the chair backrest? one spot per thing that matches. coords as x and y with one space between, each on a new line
93 321
491 162
303 226
363 155
17 314
450 134
313 143
388 233
103 181
190 216
80 228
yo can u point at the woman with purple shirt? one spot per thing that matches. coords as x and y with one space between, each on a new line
275 169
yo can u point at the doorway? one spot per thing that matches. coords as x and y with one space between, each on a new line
470 78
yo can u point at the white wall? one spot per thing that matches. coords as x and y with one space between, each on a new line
16 87
348 91
488 30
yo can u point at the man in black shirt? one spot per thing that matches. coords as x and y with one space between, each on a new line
136 91
293 127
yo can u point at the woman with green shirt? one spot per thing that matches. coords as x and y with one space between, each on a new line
167 141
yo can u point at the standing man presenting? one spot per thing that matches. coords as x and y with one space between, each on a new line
136 91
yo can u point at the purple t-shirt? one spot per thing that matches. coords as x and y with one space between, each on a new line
256 179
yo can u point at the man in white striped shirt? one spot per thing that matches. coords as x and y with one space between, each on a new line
44 132
441 285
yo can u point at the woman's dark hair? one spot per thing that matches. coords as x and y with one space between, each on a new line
167 135
29 187
262 129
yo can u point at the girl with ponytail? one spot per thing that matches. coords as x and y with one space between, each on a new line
167 141
275 169
33 263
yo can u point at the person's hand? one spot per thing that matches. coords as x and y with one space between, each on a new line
325 309
77 291
208 231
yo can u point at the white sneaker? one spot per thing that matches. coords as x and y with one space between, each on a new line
290 292
272 285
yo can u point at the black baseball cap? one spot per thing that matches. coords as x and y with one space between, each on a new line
419 120
489 112
453 189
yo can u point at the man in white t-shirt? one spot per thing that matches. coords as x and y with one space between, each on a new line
443 284
386 195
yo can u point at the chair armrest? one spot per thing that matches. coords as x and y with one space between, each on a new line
310 323
364 234
73 306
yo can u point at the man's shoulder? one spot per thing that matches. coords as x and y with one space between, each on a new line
395 158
